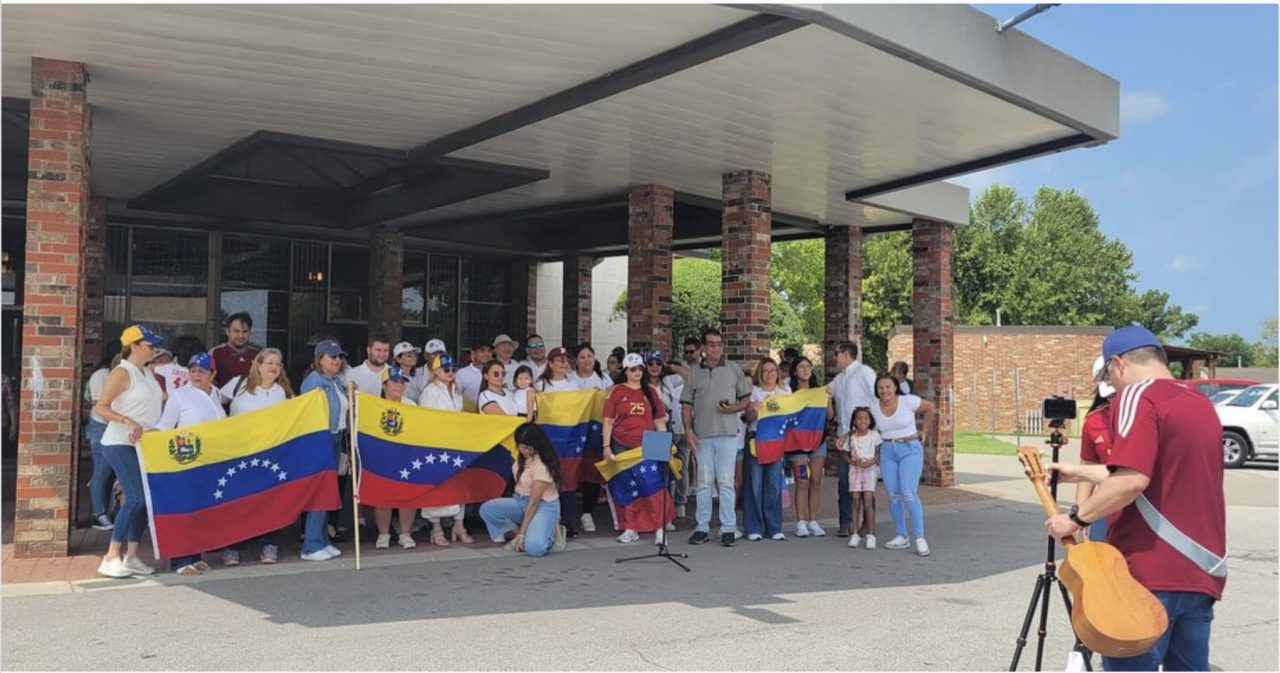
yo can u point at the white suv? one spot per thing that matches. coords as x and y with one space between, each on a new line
1250 426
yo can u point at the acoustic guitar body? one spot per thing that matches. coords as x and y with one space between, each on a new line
1112 614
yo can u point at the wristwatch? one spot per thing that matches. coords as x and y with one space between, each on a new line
1074 515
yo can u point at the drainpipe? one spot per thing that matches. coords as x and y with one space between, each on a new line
1010 23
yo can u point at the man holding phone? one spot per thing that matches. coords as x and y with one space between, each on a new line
715 393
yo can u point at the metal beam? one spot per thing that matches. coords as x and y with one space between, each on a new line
449 181
537 212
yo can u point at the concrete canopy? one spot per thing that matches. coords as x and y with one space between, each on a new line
856 111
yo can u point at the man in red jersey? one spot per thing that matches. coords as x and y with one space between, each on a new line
1162 489
235 357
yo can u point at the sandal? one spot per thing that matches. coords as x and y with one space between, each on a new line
460 534
437 535
201 566
188 570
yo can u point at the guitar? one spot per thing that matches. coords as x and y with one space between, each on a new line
1112 614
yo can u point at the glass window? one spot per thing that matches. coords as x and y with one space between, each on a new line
115 284
1248 397
413 290
168 284
255 280
486 280
481 323
348 284
442 300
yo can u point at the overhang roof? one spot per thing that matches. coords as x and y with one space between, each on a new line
836 102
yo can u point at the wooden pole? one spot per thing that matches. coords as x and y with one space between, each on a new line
355 454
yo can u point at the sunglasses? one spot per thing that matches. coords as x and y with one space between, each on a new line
538 344
499 374
715 344
272 363
446 370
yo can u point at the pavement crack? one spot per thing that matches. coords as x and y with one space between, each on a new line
646 659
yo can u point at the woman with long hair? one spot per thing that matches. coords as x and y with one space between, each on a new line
807 468
494 397
901 459
555 378
762 501
528 521
444 394
395 381
586 372
326 374
406 356
632 408
613 364
1095 444
131 404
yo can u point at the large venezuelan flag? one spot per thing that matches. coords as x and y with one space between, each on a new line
636 492
573 422
415 457
218 483
790 423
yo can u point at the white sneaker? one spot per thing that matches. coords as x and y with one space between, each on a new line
802 529
588 524
778 537
871 542
659 537
406 541
383 542
318 555
854 540
333 551
738 534
755 537
114 567
137 567
670 526
628 536
898 542
922 547
680 511
816 530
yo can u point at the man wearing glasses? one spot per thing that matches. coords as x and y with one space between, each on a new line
536 349
715 393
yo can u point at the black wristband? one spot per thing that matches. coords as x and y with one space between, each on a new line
1074 515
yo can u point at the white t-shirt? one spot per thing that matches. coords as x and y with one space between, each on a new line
852 388
903 421
407 402
469 380
537 368
672 388
367 380
506 402
758 393
94 392
189 405
522 401
437 396
563 385
175 376
244 402
593 380
417 383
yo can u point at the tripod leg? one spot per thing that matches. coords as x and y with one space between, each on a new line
1084 651
1026 623
1044 623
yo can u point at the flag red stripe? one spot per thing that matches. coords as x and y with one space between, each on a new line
644 514
588 471
771 450
467 486
218 526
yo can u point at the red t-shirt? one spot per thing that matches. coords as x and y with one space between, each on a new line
632 414
231 364
1095 436
1170 433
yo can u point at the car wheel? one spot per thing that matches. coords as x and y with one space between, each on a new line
1235 449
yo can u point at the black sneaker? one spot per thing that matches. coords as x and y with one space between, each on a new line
728 540
101 522
699 537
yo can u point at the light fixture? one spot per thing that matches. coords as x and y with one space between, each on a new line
315 276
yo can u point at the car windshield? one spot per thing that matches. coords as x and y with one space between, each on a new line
1223 396
1249 396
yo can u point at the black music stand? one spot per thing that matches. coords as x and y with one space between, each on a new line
657 446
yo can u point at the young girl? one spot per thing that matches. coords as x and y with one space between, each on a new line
863 445
526 404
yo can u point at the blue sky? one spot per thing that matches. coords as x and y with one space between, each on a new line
1191 185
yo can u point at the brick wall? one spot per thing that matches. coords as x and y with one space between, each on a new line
649 230
386 282
933 330
52 330
524 298
843 260
746 236
1049 360
577 300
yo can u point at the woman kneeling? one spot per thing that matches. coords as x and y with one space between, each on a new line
529 521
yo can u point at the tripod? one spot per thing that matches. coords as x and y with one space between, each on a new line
1045 582
662 552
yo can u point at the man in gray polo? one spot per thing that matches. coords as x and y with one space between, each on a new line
715 393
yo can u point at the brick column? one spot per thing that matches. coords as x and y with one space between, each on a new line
843 300
577 300
386 282
746 235
52 328
933 339
650 221
524 298
93 311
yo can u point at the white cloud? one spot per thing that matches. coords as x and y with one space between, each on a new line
1184 262
978 182
1200 309
1139 106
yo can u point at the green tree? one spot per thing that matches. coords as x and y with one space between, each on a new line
1233 347
1267 353
984 254
1169 322
886 293
797 272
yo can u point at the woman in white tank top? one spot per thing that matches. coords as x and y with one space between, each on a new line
131 403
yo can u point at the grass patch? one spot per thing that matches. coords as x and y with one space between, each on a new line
977 442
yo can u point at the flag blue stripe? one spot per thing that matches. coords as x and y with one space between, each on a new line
638 481
200 487
775 427
393 460
571 441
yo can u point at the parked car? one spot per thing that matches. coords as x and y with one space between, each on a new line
1251 425
1224 397
1211 387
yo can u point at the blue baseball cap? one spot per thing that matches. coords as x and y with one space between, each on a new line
1122 341
394 374
444 361
329 347
654 355
203 361
135 333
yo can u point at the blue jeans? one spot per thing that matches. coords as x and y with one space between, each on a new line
180 561
1185 645
506 514
716 459
844 499
132 518
100 482
315 532
762 500
900 465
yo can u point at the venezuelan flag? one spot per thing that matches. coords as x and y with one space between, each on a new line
790 423
215 484
573 422
415 457
636 492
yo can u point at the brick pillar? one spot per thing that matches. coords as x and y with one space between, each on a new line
93 313
843 300
524 298
933 341
650 221
577 300
386 282
52 328
746 234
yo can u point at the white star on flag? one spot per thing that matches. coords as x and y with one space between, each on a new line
457 462
231 471
222 481
254 462
633 483
431 459
635 494
444 457
283 476
217 495
417 464
243 465
404 474
275 468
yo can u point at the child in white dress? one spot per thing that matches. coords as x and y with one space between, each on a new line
863 444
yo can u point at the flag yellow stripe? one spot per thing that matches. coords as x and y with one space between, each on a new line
570 407
630 458
789 404
475 433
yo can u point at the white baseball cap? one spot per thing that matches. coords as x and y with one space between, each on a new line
435 346
632 360
502 338
1104 389
404 347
